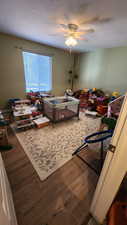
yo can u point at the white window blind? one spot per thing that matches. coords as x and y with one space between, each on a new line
38 72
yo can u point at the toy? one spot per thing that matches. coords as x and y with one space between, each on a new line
38 105
102 109
68 92
115 95
85 90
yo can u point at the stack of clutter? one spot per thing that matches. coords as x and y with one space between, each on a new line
95 100
27 115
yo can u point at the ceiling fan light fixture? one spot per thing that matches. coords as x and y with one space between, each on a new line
71 41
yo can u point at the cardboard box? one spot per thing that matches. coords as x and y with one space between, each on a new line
42 122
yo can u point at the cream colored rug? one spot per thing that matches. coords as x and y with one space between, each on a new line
50 147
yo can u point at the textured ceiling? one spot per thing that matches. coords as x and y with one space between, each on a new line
39 20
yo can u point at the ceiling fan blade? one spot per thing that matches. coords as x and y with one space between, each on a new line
66 17
84 32
90 21
97 20
79 32
104 20
89 31
85 29
64 26
82 39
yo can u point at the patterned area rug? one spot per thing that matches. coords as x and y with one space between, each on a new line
50 147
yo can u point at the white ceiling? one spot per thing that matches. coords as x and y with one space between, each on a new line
39 20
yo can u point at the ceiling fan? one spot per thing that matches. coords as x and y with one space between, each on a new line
72 33
74 30
77 31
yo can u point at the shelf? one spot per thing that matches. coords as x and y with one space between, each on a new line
25 125
23 120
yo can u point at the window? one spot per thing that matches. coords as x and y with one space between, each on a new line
38 72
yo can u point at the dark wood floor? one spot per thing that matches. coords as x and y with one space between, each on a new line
62 199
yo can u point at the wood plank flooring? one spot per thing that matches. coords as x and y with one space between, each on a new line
62 199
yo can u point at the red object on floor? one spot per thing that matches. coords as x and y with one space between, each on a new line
102 109
36 113
118 214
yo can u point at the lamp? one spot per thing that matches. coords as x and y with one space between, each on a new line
71 41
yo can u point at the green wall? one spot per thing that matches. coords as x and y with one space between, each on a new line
104 68
12 82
